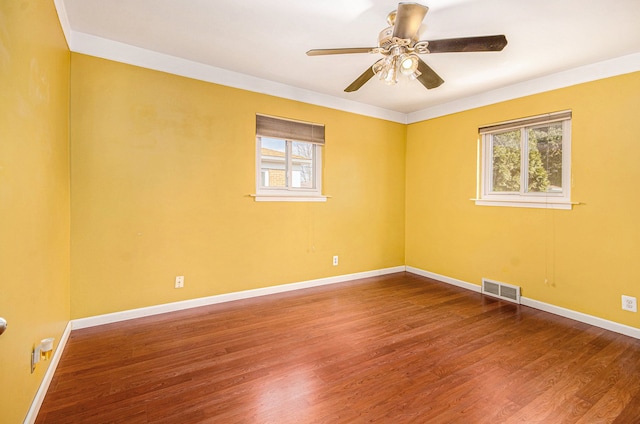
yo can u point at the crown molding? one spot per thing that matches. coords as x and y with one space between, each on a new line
91 45
132 55
605 69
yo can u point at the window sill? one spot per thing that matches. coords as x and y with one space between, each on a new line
288 198
526 203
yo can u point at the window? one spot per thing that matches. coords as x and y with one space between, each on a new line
526 163
288 160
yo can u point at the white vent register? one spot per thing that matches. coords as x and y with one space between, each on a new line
501 290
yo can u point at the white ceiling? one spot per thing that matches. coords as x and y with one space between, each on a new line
260 45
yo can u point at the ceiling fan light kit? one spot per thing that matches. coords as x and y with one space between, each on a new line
400 46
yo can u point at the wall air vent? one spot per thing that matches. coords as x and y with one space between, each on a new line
501 290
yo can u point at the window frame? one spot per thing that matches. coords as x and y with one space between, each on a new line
551 200
288 193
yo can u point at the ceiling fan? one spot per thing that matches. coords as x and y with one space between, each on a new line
400 47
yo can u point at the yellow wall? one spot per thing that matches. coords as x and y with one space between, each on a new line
34 194
589 255
162 167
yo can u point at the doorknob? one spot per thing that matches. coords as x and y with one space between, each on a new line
3 325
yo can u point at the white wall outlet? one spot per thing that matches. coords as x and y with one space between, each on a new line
335 260
180 281
629 303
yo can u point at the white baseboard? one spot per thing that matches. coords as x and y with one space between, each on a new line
579 316
227 297
48 376
556 310
444 279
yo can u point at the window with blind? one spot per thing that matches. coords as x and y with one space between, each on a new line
526 162
288 159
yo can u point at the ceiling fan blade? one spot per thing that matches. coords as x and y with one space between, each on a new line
321 52
489 43
409 17
428 76
359 82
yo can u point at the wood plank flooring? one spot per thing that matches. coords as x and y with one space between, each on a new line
393 349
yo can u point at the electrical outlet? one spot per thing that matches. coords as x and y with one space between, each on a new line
629 303
180 281
335 260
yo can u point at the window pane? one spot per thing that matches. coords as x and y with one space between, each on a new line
302 163
273 170
506 161
545 159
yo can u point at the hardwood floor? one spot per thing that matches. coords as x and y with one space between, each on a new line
394 349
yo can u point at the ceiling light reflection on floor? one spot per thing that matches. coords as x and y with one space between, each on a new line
288 395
